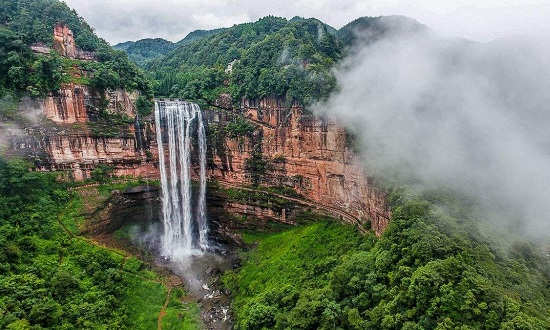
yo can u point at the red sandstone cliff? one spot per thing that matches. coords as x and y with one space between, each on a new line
307 154
68 135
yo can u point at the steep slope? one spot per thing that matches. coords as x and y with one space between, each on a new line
70 100
28 68
272 57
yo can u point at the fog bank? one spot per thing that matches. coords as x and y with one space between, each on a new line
469 116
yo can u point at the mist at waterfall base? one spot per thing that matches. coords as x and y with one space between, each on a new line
470 117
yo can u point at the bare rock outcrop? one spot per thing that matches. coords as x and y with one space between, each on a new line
305 153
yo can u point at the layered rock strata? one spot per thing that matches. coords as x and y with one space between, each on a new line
308 154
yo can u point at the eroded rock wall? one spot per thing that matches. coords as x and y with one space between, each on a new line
303 152
78 104
78 154
76 128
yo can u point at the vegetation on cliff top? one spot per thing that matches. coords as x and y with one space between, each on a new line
429 270
270 57
273 57
51 278
25 22
142 51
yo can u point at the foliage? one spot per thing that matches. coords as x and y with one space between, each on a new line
423 273
144 106
239 127
102 173
256 165
21 70
25 73
271 57
144 50
50 278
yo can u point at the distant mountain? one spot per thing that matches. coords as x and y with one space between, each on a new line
270 57
145 50
197 35
369 29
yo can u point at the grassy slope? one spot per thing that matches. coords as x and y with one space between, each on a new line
51 277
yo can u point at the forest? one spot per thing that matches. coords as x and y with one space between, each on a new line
23 73
431 269
53 277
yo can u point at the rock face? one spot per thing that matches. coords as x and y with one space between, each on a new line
287 148
69 135
63 43
305 153
77 104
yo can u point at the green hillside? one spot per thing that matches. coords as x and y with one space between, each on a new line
431 269
25 73
270 57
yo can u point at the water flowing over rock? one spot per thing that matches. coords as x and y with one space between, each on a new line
175 119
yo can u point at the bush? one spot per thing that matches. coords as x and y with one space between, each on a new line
102 173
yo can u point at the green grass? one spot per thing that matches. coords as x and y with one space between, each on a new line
144 300
50 277
297 257
180 315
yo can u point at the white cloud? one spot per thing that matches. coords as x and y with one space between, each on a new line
123 20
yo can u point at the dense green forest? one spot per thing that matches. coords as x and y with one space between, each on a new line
52 278
270 57
145 50
431 269
25 73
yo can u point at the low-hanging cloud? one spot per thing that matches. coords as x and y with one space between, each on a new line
473 117
123 20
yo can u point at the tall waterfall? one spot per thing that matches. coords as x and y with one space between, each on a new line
185 231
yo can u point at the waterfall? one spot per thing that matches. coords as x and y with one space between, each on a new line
183 234
203 225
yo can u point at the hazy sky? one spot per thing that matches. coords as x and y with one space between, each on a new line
481 20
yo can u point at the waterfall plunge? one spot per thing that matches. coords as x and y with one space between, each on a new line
178 238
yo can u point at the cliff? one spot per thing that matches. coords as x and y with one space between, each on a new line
300 152
77 127
275 145
303 154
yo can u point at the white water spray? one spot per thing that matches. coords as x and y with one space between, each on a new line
177 117
203 225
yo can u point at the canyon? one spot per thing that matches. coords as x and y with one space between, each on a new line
303 153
